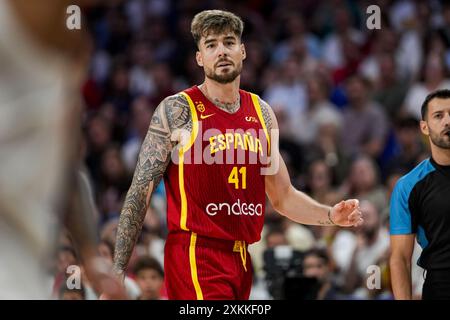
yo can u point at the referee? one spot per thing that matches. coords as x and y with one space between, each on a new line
420 207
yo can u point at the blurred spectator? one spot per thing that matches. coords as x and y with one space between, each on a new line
411 148
434 78
157 34
319 186
287 94
106 250
114 183
117 88
255 64
141 79
437 44
296 34
141 113
365 124
150 241
116 31
381 43
390 88
352 58
316 264
343 34
402 13
113 172
98 137
328 146
164 83
71 294
149 277
275 237
319 111
320 181
405 19
364 183
66 256
367 246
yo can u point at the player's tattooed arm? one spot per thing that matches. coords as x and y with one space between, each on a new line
154 157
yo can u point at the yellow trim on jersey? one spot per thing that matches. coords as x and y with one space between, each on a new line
239 246
183 215
193 264
194 122
261 118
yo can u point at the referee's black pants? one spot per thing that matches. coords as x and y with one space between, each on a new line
437 285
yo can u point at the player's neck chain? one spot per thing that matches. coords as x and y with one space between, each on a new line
230 107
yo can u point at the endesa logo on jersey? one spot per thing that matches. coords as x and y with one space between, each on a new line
237 208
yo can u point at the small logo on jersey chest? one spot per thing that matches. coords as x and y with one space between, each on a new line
204 116
251 119
200 106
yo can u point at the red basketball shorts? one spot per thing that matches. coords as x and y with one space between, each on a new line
198 268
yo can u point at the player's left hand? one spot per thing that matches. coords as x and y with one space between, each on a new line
347 213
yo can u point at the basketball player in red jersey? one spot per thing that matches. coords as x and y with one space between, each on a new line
215 204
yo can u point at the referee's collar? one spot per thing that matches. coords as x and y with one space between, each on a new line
441 168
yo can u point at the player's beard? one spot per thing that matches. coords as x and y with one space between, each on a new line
225 77
441 140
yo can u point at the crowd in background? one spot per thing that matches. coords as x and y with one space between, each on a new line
347 100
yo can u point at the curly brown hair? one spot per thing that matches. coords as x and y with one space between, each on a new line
215 22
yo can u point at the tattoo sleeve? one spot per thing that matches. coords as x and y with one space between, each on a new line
265 110
154 157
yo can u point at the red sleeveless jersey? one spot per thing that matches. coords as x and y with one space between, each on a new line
214 186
